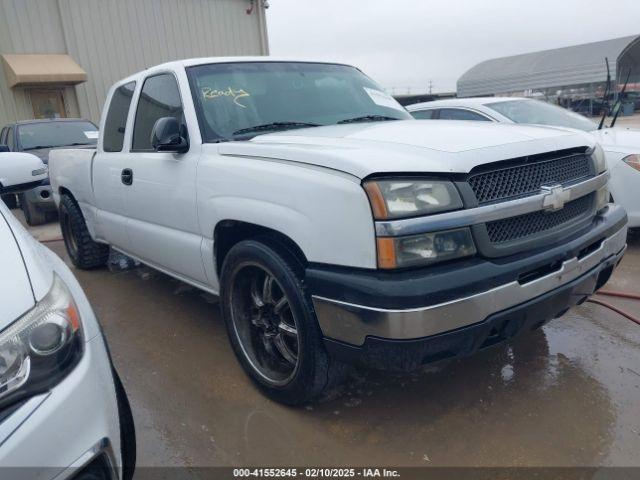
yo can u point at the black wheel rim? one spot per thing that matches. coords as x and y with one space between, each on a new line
264 323
67 234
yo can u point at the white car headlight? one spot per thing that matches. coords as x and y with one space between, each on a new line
392 199
41 347
599 158
633 161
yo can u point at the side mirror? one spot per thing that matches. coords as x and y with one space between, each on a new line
20 172
167 137
4 148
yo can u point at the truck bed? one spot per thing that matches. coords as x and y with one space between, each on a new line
72 167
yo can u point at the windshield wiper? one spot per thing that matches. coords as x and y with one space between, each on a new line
605 99
275 126
37 147
618 105
368 118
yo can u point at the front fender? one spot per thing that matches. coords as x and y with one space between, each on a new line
326 213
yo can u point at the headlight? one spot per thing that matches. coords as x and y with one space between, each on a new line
41 347
424 249
411 198
599 158
633 161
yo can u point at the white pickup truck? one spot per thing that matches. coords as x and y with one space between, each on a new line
333 226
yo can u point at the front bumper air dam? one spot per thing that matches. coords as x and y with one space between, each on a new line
403 339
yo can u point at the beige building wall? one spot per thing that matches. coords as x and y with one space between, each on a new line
111 39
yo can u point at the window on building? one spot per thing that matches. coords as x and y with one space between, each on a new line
460 114
423 114
159 98
116 122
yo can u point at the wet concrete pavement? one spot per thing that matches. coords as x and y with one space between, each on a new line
566 395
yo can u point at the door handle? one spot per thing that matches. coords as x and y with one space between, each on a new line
127 176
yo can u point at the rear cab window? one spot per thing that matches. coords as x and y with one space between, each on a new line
116 121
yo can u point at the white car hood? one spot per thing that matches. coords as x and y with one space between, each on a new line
623 140
26 270
16 295
406 146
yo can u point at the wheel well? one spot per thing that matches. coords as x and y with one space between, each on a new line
230 232
64 191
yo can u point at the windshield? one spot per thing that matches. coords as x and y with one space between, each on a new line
540 113
56 134
233 98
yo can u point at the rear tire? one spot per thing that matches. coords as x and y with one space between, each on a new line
32 214
272 325
83 251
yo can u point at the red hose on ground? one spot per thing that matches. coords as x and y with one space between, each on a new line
609 293
615 309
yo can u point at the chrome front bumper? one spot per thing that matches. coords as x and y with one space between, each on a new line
351 323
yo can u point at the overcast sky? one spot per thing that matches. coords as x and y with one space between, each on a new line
406 43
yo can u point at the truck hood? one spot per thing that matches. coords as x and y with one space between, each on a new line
408 146
623 140
16 296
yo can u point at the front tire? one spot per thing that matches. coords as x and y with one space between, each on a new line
272 325
32 214
83 251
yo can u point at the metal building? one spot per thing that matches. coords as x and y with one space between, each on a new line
570 74
59 57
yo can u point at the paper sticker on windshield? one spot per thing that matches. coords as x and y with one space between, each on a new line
234 93
382 99
93 135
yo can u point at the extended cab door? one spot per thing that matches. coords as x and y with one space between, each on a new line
161 198
108 164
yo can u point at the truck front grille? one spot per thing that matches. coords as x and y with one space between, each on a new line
527 179
522 226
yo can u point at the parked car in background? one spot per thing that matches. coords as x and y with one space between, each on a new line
621 145
335 227
63 410
39 137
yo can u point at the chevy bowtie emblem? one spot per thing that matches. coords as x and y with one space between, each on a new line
555 196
